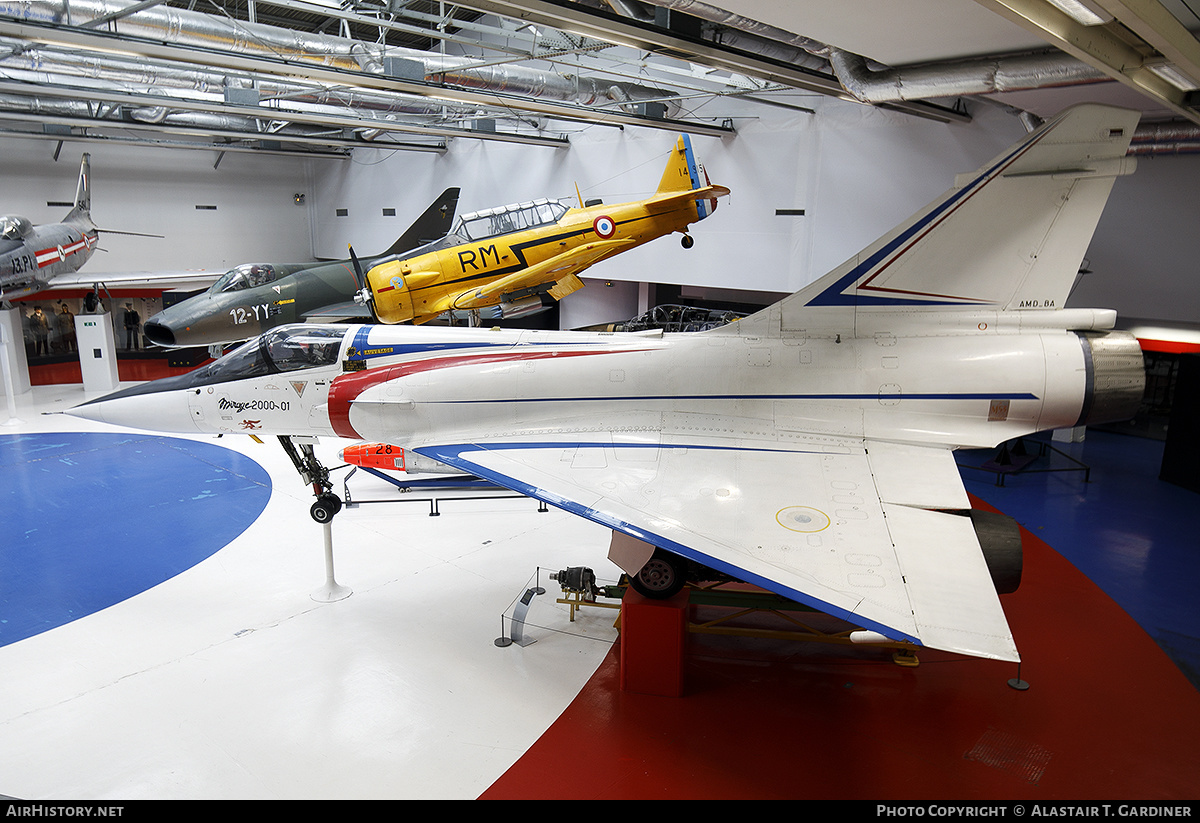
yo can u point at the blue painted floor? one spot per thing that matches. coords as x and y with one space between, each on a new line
1133 535
93 519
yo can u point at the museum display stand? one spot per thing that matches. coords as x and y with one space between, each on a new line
653 643
331 591
97 352
12 349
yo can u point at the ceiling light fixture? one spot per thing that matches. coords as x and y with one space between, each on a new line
1086 12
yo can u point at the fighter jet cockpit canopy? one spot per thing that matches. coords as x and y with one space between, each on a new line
478 225
245 276
14 227
284 349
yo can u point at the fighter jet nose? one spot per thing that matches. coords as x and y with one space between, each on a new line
88 411
137 408
158 334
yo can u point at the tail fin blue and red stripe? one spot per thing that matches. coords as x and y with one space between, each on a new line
1009 236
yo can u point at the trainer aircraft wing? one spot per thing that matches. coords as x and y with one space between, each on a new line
862 530
552 270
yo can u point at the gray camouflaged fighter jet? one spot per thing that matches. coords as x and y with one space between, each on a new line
255 297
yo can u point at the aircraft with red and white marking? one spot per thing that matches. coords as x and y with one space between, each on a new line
807 448
31 257
35 258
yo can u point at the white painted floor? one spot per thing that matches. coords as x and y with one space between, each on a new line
230 681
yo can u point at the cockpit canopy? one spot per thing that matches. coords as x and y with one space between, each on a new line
245 276
14 227
505 219
285 349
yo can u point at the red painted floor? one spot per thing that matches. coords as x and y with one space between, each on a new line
1107 715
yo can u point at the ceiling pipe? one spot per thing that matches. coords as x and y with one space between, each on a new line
870 83
963 78
48 67
873 84
195 28
1174 137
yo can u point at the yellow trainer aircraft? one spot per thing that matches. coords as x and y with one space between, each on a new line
502 262
515 258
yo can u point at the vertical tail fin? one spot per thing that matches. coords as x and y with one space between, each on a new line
433 224
1008 236
83 193
683 173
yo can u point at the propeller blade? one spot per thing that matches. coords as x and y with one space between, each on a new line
363 295
358 272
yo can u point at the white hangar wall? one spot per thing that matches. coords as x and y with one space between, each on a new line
247 209
855 171
1144 260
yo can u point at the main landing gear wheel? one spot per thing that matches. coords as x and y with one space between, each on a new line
687 241
326 507
663 576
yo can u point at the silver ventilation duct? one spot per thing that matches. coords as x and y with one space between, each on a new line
194 28
45 67
961 78
877 85
874 84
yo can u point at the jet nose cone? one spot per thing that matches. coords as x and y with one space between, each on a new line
166 411
158 333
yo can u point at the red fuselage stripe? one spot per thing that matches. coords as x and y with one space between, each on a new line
348 387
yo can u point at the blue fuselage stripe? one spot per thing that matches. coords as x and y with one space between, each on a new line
847 396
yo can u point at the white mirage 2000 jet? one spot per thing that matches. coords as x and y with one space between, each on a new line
807 448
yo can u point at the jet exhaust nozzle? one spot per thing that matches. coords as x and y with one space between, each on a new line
1116 377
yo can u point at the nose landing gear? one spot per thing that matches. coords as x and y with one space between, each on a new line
323 510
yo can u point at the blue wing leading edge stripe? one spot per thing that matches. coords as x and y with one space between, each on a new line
452 455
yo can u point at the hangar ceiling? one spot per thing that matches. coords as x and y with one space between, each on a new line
321 77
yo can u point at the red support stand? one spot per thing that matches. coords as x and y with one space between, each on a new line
653 642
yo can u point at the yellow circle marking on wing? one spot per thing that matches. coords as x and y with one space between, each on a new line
802 519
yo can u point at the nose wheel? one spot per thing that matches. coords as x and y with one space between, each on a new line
312 472
327 505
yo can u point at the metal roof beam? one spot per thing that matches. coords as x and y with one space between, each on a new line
1100 46
1152 22
625 31
275 66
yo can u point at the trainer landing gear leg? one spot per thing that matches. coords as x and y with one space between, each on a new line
323 510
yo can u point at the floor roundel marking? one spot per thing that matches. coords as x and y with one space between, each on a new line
92 519
802 519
